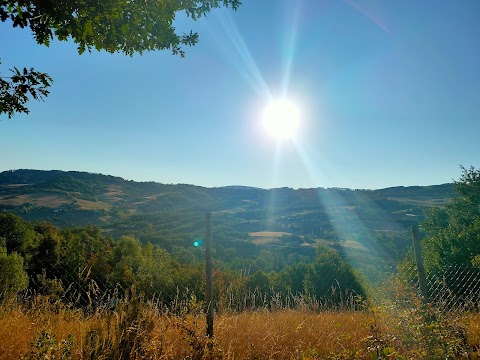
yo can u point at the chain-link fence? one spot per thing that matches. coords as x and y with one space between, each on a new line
454 287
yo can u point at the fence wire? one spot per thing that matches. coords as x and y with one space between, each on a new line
454 287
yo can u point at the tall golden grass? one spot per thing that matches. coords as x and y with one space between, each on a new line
139 330
250 335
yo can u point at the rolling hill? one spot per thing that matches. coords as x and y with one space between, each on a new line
295 220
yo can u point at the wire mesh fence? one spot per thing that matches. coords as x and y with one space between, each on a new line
454 287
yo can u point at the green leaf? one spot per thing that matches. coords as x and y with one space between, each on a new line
88 28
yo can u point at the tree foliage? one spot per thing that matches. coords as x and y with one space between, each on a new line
16 89
13 277
16 235
124 26
453 232
79 265
331 277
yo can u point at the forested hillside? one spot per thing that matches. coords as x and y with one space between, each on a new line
254 228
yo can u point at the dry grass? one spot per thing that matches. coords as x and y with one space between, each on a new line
93 205
267 237
286 334
19 328
472 322
291 334
146 333
265 240
40 199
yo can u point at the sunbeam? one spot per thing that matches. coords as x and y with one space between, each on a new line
281 118
344 209
247 65
289 47
276 163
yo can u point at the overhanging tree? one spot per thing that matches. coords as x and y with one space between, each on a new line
16 89
123 26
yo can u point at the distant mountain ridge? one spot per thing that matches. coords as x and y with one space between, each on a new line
26 176
31 176
98 191
246 219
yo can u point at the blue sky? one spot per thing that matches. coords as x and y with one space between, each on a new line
389 93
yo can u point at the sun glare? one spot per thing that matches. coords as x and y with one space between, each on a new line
281 119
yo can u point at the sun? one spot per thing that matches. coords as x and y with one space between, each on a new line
281 119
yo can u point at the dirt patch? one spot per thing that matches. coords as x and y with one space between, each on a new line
93 205
14 200
271 234
105 218
39 199
114 194
431 202
266 240
267 237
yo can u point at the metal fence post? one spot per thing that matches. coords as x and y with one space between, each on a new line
208 273
417 247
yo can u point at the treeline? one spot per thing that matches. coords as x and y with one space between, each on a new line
73 264
80 264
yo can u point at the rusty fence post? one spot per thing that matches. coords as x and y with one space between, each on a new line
422 280
209 274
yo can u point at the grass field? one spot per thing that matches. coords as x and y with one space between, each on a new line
140 331
93 205
39 199
270 234
267 237
249 335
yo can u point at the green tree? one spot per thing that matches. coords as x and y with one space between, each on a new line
453 232
17 235
291 278
47 250
13 277
124 26
127 259
259 282
150 269
84 259
330 278
157 273
182 255
44 261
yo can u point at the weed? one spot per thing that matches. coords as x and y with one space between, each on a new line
46 347
123 333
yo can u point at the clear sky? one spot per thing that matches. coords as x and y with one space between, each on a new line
389 94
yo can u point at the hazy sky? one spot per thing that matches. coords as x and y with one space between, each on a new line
389 93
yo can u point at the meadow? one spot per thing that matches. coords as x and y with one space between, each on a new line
137 329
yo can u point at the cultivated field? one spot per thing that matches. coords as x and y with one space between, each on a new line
270 234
